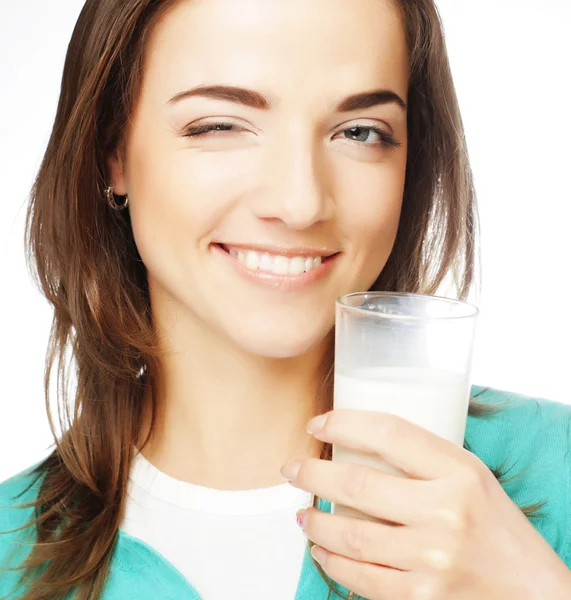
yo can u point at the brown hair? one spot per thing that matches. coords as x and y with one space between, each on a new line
84 259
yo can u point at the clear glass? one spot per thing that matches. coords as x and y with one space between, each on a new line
404 354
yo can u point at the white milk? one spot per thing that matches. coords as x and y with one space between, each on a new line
435 400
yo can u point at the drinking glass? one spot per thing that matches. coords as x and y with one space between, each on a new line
405 354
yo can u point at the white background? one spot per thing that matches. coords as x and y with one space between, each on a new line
511 63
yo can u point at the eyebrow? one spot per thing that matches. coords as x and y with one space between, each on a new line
253 99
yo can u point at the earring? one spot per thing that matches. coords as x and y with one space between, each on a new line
111 200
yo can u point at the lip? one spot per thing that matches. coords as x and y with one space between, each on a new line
272 281
282 251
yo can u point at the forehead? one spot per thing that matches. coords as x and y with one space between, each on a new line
296 49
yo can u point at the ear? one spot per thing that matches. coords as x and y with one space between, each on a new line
116 170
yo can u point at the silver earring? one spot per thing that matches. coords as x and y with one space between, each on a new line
111 200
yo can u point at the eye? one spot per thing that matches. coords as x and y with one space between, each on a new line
363 133
209 128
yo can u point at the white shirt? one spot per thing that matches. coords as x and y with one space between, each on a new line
228 543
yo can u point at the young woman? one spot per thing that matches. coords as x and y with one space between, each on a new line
219 173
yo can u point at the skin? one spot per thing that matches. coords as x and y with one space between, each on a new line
456 534
291 176
243 362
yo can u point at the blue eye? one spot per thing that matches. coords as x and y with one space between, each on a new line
386 139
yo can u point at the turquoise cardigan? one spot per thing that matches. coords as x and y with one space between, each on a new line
531 434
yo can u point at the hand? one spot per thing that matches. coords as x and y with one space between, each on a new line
457 534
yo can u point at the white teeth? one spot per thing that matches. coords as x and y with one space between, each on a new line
280 265
266 263
252 260
296 265
272 263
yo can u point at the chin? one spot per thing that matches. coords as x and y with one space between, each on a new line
275 339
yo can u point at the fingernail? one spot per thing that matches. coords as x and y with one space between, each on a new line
301 517
318 554
316 424
290 470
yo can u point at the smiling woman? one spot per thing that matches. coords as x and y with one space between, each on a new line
219 173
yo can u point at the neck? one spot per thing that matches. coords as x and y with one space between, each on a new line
229 420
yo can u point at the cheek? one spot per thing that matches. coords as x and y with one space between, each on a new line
370 217
179 197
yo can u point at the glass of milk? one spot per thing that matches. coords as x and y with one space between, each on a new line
405 354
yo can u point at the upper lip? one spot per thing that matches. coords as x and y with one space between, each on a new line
281 250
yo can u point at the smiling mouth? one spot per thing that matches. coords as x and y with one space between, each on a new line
280 262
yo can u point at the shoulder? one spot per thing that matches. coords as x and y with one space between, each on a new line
527 440
132 571
521 426
18 490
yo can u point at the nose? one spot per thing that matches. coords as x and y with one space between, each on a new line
297 186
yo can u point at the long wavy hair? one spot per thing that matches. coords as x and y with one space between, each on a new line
83 258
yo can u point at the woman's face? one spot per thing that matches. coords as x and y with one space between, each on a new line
256 228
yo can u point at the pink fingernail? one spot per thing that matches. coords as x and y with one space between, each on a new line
301 517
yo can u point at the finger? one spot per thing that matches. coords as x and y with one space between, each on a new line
381 495
365 541
412 449
370 581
